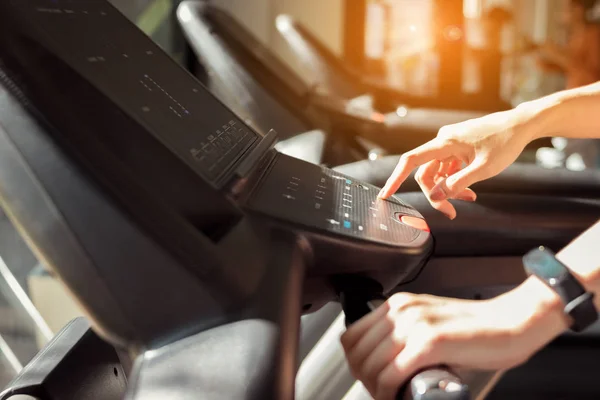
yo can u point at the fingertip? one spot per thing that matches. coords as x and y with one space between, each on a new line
467 195
447 209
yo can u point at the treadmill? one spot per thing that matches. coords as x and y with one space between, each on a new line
183 233
325 109
337 77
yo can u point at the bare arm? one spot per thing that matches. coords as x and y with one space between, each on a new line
582 257
573 113
471 151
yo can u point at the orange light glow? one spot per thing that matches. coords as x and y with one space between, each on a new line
378 117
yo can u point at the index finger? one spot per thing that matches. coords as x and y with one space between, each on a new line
432 150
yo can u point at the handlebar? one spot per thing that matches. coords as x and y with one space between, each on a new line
436 383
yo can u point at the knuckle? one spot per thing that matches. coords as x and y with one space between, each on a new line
432 340
407 158
419 177
345 340
483 158
400 301
390 319
446 132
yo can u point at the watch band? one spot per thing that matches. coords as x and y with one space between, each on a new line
579 304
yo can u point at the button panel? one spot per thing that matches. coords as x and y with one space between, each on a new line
321 198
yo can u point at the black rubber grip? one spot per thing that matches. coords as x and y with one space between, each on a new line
361 296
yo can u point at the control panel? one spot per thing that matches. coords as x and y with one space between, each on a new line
321 199
99 44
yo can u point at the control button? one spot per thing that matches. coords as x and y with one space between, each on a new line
348 182
414 222
346 215
333 221
347 224
360 228
383 227
317 206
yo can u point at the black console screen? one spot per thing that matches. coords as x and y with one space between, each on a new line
127 67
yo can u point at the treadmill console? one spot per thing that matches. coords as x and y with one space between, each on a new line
321 199
90 37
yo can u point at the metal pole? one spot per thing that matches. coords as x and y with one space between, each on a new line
324 374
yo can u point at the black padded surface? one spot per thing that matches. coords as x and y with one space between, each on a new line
504 225
228 362
76 364
567 369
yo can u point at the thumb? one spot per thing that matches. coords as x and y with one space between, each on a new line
457 183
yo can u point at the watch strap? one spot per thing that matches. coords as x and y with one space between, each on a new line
583 311
578 303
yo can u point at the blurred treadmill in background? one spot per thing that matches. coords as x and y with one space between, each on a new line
409 120
355 132
248 72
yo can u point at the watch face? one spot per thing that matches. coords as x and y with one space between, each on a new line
541 262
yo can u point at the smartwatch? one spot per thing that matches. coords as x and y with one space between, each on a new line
579 304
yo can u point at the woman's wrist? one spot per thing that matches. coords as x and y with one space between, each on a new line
565 113
538 309
539 118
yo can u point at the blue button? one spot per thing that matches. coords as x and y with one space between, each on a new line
347 224
348 181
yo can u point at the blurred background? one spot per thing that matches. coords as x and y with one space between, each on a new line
484 55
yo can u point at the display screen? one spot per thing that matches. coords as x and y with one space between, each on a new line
106 49
542 262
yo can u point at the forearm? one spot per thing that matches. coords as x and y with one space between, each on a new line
582 256
572 113
542 307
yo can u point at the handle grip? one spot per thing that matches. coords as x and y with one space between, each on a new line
437 383
434 384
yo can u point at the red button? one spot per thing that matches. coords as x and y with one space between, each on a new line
417 223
